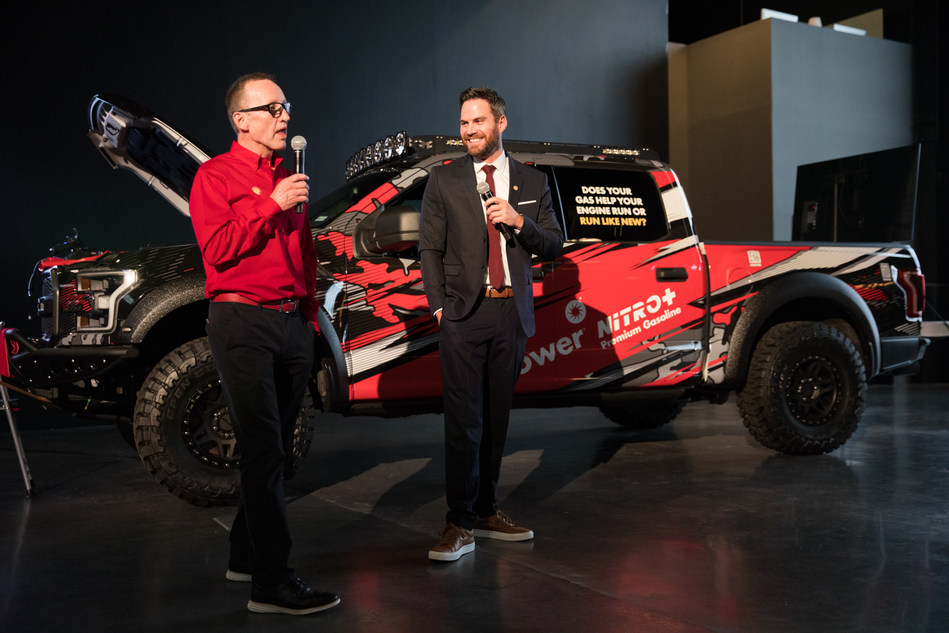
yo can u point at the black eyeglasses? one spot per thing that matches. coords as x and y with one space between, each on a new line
275 109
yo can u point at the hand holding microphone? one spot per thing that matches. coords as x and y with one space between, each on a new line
484 190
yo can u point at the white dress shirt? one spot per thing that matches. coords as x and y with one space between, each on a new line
502 183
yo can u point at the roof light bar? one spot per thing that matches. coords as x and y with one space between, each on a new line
389 148
396 146
620 151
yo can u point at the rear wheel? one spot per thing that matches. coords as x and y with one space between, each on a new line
183 433
805 389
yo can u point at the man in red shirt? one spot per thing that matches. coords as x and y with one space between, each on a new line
260 262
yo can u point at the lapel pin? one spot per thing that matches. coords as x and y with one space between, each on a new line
256 190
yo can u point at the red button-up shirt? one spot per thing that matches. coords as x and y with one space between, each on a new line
248 243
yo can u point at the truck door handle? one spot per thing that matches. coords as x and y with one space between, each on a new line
671 274
539 272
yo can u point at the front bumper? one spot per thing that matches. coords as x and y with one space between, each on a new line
33 367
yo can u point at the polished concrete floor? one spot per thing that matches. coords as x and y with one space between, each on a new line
692 527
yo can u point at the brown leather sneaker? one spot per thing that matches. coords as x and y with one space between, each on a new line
455 542
501 527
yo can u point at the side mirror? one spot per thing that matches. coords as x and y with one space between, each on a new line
386 230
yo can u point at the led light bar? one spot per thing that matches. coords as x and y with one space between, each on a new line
389 148
400 145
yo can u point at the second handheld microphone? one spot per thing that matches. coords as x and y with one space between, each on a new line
484 190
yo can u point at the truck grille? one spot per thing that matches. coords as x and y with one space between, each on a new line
54 321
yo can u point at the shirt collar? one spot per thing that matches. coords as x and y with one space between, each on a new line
253 159
500 163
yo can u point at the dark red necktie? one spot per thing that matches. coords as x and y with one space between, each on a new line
495 263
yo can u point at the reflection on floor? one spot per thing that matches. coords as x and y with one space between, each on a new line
691 527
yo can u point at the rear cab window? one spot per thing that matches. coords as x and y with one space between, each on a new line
610 205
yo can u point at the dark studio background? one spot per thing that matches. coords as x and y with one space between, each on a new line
591 72
353 71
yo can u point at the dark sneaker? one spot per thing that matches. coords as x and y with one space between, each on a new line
292 597
238 568
238 575
500 526
455 542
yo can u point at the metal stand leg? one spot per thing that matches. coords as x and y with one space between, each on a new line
24 467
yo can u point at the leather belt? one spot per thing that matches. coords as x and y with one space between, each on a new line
280 305
494 293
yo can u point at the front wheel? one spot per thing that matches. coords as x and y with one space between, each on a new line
183 433
805 389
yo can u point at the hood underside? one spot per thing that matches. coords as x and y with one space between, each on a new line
130 137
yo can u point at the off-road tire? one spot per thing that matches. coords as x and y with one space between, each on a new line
183 432
642 416
805 389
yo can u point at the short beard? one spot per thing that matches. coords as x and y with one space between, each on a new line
489 147
483 156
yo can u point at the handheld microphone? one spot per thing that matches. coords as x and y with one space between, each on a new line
484 189
298 143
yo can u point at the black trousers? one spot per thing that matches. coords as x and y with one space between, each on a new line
264 359
481 359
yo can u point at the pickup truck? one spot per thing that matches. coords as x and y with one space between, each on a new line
637 317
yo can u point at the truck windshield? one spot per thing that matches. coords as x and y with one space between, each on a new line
328 207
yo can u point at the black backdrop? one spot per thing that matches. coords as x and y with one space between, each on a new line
354 72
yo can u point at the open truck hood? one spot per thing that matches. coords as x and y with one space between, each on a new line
131 137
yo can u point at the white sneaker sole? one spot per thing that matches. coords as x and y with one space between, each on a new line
263 607
504 536
449 556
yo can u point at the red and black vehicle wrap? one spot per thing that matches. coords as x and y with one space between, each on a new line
613 315
637 316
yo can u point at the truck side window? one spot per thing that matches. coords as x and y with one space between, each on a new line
412 197
391 230
554 194
610 205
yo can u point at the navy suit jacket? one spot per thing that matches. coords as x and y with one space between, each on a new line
453 238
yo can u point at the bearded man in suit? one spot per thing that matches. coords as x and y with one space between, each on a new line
477 278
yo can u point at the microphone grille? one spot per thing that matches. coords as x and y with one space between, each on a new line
483 188
298 143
